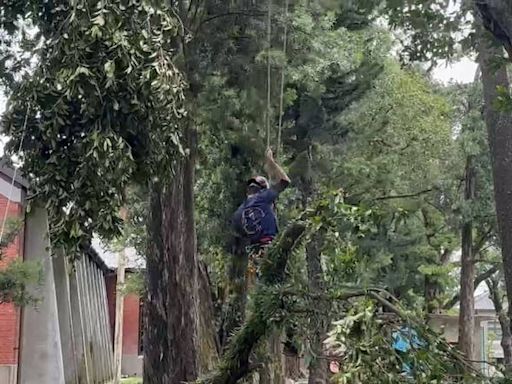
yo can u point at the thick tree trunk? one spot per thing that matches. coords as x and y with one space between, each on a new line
318 324
157 367
467 274
499 127
173 353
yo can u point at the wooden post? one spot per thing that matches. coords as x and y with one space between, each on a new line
118 332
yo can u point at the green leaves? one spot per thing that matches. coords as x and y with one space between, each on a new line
364 339
105 100
15 280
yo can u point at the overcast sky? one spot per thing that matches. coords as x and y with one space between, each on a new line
461 72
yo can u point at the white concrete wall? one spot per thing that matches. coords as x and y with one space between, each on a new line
41 353
66 339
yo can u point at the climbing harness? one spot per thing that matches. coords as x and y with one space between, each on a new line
255 253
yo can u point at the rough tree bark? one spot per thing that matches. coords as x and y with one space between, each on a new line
467 274
173 353
318 324
497 19
499 127
506 338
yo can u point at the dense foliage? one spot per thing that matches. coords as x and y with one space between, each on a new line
106 98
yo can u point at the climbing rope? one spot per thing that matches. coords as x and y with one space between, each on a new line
14 175
283 73
269 74
269 45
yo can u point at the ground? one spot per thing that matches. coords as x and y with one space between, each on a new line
132 380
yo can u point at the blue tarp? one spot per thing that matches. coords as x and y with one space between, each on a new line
404 340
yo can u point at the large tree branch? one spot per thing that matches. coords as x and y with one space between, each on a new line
478 280
496 16
266 313
404 196
246 13
482 240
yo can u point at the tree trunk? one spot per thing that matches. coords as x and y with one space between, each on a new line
506 338
291 351
467 274
272 371
318 324
499 127
497 19
234 312
173 352
209 346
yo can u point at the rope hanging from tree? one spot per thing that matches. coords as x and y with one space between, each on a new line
269 45
4 221
269 74
283 73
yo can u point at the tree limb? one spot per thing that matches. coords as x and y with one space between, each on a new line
229 14
266 313
404 196
478 280
496 15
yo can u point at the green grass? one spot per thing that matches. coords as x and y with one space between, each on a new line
132 380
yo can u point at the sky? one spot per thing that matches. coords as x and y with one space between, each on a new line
462 71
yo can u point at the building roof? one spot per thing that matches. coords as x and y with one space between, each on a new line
110 256
91 252
483 302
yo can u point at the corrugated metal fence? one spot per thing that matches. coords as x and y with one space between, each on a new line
87 336
66 339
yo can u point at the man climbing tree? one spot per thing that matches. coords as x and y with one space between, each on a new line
255 220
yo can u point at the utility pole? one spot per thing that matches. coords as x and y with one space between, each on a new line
118 333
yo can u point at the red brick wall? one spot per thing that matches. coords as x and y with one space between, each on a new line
130 318
10 315
131 325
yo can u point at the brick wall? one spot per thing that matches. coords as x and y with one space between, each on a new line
10 315
131 325
130 318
